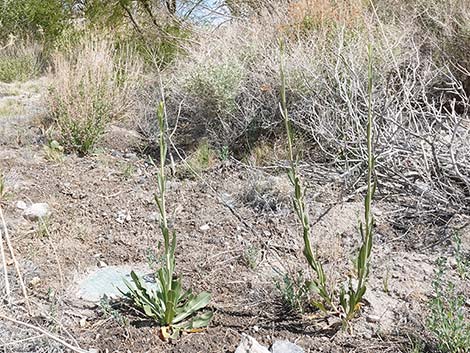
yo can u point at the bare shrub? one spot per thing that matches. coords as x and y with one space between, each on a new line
91 84
421 94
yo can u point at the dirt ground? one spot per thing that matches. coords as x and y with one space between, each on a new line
103 213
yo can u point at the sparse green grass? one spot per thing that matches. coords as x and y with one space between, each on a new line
10 107
199 161
21 68
447 320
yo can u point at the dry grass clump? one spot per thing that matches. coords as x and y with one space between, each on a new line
91 84
307 15
270 194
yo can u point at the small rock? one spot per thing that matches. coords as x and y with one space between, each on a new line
36 211
35 281
83 322
102 264
372 318
154 217
93 350
249 345
130 155
285 347
204 227
123 216
21 205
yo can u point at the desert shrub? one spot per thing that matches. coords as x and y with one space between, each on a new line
20 62
91 85
219 87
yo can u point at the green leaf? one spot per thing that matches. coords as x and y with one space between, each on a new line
199 321
193 305
202 320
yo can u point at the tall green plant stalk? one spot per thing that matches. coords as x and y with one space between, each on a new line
174 308
165 273
351 298
355 295
320 283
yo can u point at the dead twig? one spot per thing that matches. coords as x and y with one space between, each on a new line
44 332
5 269
15 262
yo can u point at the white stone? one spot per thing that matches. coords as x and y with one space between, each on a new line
285 347
21 205
36 211
204 227
249 345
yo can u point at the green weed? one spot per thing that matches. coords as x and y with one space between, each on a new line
251 257
318 284
224 153
350 301
463 263
109 311
54 151
3 187
294 292
43 228
128 170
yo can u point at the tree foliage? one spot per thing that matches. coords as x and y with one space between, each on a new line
37 19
